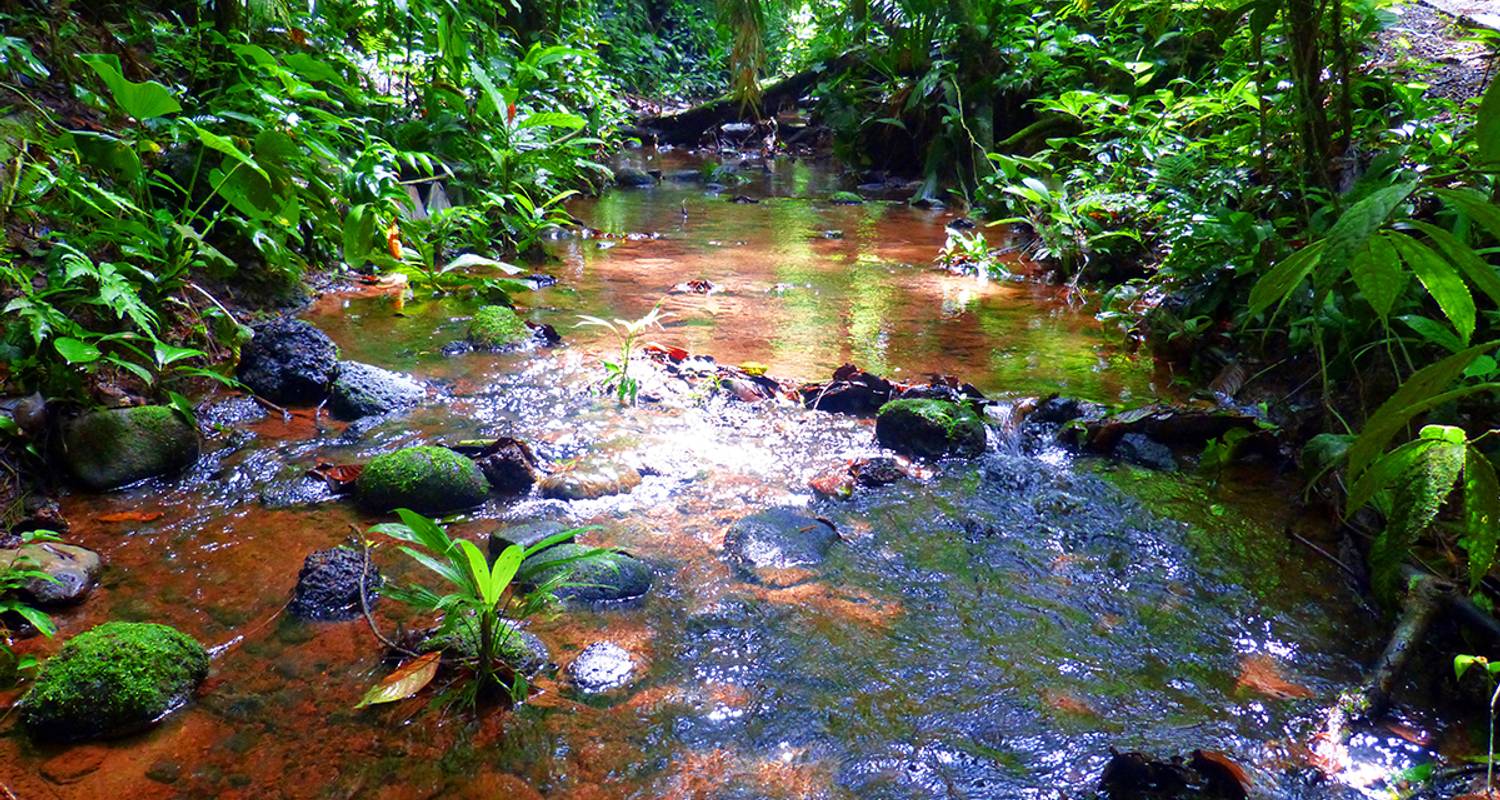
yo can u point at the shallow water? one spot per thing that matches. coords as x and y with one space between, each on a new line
987 633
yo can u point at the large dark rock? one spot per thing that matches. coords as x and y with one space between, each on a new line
1186 427
328 586
633 177
429 480
778 538
509 465
852 391
1058 410
605 578
1140 449
930 428
108 449
289 361
118 678
74 571
362 390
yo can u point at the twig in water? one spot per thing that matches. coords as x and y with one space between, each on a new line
364 603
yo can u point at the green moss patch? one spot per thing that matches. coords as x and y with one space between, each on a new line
117 678
930 428
431 480
110 448
497 326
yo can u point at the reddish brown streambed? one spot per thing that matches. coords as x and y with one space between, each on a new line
987 633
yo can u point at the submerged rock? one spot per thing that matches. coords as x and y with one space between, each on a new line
288 361
429 480
497 327
607 577
930 428
362 390
590 480
110 448
329 585
74 571
601 666
778 538
633 177
524 535
117 678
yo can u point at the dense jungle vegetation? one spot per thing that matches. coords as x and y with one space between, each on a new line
1257 193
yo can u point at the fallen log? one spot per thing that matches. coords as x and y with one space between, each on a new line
688 126
1423 599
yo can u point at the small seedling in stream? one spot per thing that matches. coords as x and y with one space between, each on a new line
617 375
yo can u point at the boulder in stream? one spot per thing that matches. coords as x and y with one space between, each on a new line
930 428
852 391
509 465
74 571
1142 450
633 177
110 448
589 480
778 539
329 585
363 390
429 480
115 679
605 577
524 535
288 361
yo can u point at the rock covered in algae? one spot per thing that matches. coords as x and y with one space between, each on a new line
429 480
115 679
110 448
930 428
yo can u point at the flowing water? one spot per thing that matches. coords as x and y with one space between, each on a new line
989 632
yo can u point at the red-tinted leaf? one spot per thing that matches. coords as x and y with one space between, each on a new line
407 680
130 516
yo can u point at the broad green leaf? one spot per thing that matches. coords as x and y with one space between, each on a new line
1442 282
1377 272
1481 515
1480 273
75 351
183 406
506 566
479 573
1461 665
167 354
143 101
1487 128
1384 472
1474 205
359 235
1278 283
310 68
1417 497
1420 392
37 618
1349 236
554 119
407 680
225 145
1433 332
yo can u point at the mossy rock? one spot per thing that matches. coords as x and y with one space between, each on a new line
430 480
361 390
118 678
108 449
930 428
520 649
495 327
845 199
608 577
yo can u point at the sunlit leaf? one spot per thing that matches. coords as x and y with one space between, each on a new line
140 100
407 680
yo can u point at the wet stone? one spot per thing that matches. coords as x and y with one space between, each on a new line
429 480
877 471
601 666
328 586
590 480
1142 450
633 177
362 390
930 429
607 578
108 449
524 535
778 539
511 469
288 361
74 571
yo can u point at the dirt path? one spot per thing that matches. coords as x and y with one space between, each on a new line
1455 64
